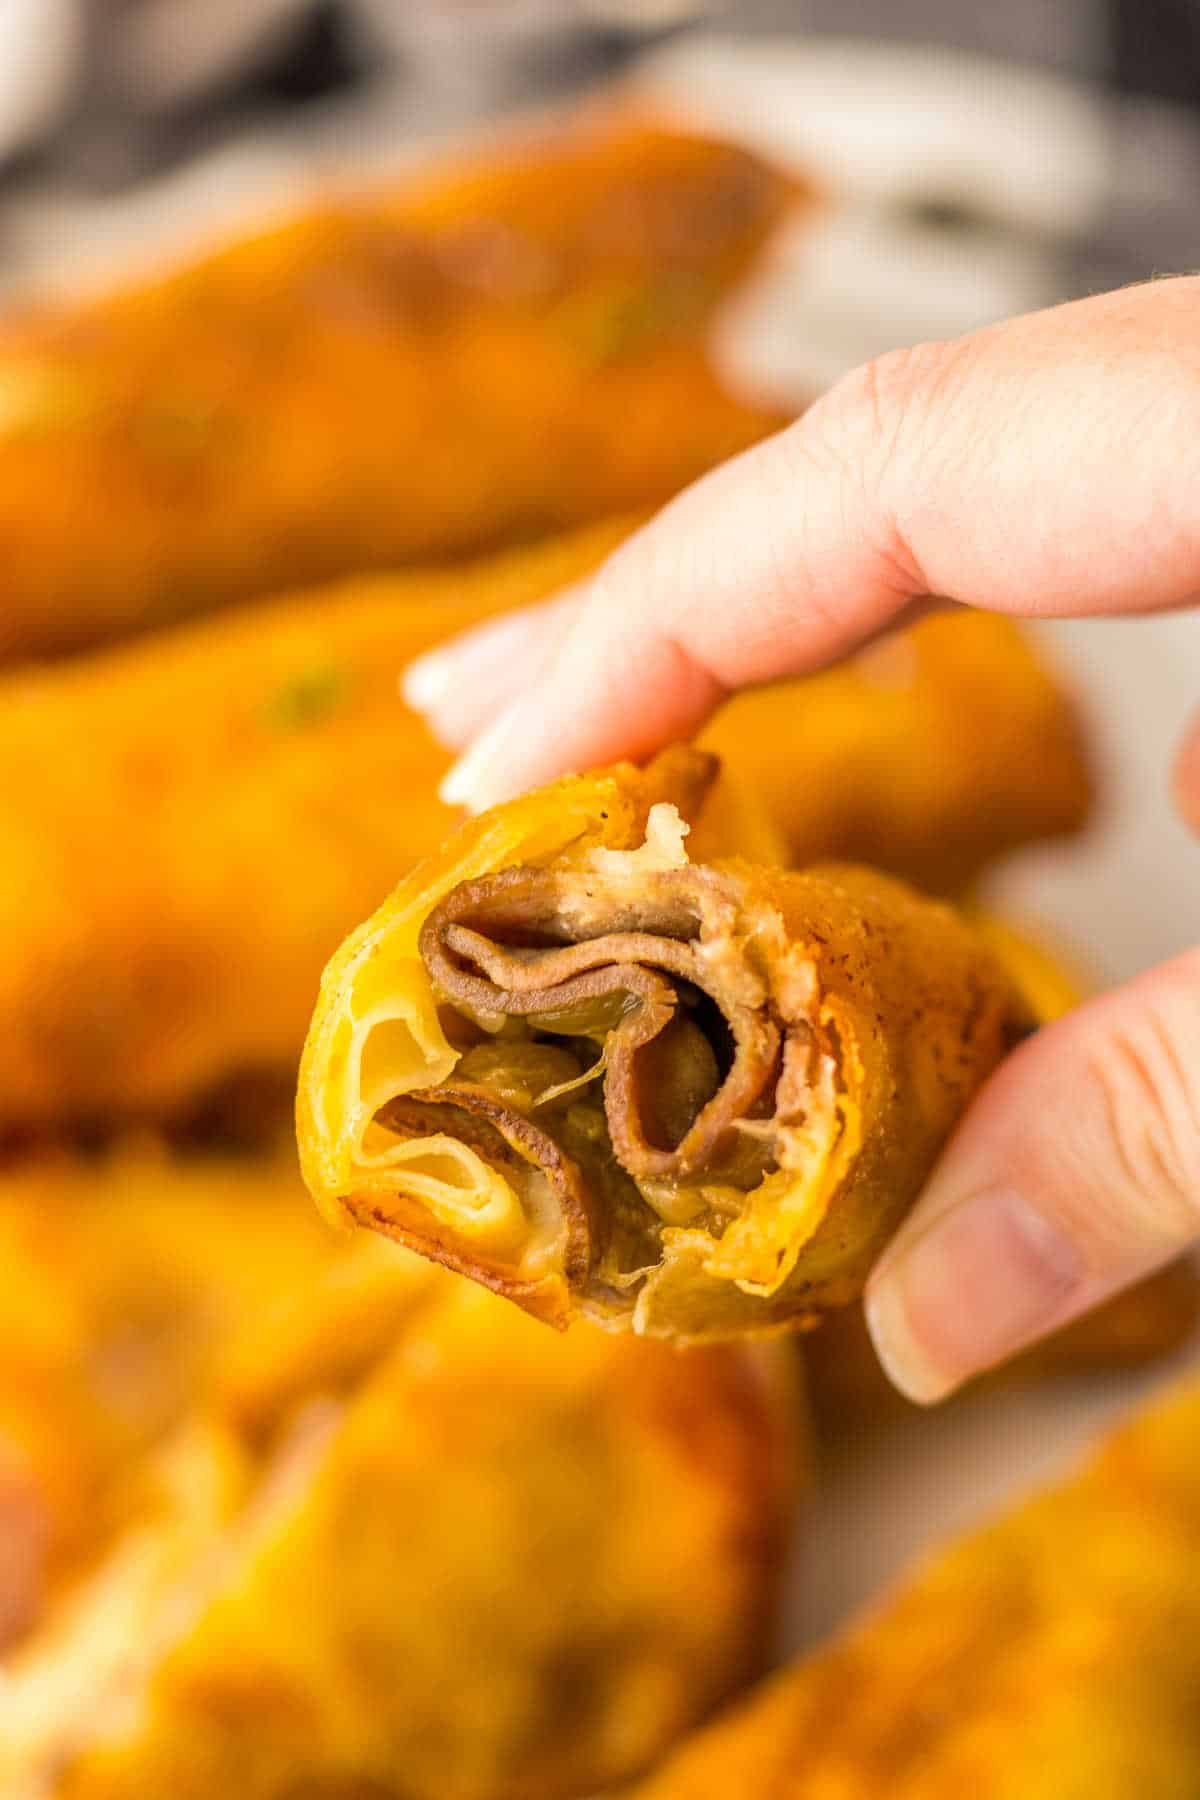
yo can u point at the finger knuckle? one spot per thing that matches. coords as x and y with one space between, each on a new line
1147 1074
890 401
875 431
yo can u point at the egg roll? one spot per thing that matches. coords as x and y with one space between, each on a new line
687 1100
477 1570
163 799
484 354
1054 1655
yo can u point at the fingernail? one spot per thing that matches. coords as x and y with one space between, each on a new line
986 1277
499 654
472 780
426 681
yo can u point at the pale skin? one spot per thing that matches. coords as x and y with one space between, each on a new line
1049 466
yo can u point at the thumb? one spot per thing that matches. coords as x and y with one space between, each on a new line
1187 777
1076 1172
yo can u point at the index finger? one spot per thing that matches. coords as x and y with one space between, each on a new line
1046 466
749 575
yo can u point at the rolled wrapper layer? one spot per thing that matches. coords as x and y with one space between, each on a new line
691 1101
847 1387
485 354
1054 1655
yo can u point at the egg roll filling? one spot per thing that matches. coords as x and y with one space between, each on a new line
561 956
632 1071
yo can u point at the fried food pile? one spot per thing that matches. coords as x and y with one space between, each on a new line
378 1537
288 1512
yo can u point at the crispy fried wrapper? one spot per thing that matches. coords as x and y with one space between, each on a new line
1052 1656
681 1099
469 1568
486 354
1155 1318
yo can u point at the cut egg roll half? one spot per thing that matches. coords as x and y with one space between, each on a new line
688 1100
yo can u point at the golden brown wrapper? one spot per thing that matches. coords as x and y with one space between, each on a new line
472 1569
1052 978
486 354
848 1388
699 1098
1051 1656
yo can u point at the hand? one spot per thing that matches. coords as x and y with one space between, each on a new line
1046 467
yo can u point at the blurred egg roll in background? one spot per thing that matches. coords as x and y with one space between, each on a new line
1050 1656
484 355
389 1544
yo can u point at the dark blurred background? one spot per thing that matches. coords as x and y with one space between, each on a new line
100 99
111 87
